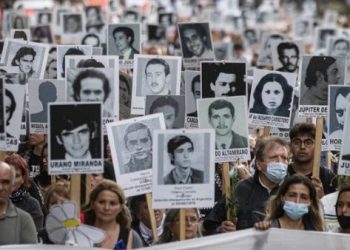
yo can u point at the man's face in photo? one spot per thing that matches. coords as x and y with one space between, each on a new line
340 108
341 49
25 63
333 75
156 78
224 85
76 142
197 90
8 111
72 25
121 41
221 120
124 96
169 115
289 59
91 90
139 144
183 155
193 41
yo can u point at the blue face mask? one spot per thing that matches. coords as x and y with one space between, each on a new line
276 171
295 211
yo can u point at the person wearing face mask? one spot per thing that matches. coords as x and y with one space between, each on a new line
295 206
252 193
342 208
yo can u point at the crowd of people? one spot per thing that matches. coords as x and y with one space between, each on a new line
276 189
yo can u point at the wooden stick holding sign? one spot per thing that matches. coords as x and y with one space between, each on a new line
152 217
182 224
318 144
226 185
75 190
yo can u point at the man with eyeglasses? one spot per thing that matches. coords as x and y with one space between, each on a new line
138 141
302 137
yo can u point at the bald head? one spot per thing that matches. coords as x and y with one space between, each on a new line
7 170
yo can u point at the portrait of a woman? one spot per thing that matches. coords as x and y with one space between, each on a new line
272 96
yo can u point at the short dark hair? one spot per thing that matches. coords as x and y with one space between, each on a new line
127 31
13 105
176 142
20 34
195 79
317 64
341 40
268 143
134 127
70 51
122 78
220 104
161 62
23 51
90 73
308 129
200 29
91 35
89 63
346 188
286 45
164 101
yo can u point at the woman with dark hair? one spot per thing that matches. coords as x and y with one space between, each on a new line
342 208
107 210
272 96
171 227
20 196
295 206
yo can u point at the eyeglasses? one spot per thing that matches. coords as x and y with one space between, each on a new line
307 143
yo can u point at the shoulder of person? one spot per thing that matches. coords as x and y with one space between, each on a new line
245 184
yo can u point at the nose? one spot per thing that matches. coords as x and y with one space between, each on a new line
76 139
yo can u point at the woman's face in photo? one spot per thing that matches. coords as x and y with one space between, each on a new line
272 95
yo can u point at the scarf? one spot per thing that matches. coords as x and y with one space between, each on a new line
19 194
147 234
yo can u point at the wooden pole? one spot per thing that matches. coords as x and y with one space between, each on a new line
226 187
182 224
87 187
152 217
75 190
318 144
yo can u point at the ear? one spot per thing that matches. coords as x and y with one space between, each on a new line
258 165
319 76
59 141
212 87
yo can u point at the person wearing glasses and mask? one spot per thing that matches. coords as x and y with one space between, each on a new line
302 137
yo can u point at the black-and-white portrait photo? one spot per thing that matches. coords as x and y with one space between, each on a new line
339 98
130 16
69 50
272 96
19 21
223 51
124 40
43 92
250 37
171 106
72 23
223 79
75 138
51 64
44 18
93 16
302 28
196 43
14 103
156 32
21 34
131 148
343 168
41 34
30 57
91 39
166 19
339 47
94 85
265 55
228 117
322 35
154 75
182 158
317 73
193 91
12 75
286 55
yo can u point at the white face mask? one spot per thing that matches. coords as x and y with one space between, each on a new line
276 171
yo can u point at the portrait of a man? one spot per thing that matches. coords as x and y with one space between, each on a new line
47 94
223 79
288 55
323 35
124 38
138 142
221 114
72 23
340 47
320 72
196 93
195 40
76 134
341 100
265 55
24 59
181 149
91 85
157 73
